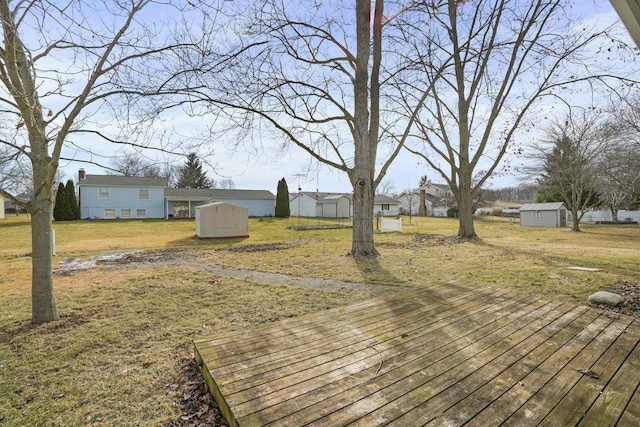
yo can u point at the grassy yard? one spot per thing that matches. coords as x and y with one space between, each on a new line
119 354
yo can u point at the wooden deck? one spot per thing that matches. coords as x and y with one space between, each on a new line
446 356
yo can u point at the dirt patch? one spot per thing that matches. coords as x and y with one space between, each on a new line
421 240
261 247
317 227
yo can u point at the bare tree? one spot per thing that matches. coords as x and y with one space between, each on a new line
620 162
568 165
489 63
63 65
226 184
15 175
386 188
619 172
315 77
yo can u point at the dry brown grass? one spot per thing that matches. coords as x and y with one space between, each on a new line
119 352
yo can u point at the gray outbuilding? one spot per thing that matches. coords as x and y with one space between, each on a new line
552 214
221 220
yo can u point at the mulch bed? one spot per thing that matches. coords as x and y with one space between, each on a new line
198 409
630 304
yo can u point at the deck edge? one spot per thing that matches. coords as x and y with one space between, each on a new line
213 388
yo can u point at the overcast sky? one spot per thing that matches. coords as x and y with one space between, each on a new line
263 170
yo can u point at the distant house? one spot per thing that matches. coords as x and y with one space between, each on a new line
552 214
308 203
433 205
386 206
181 202
439 191
1 207
409 203
111 196
336 205
12 208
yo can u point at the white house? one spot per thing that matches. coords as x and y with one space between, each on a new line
386 206
306 203
336 205
440 191
433 205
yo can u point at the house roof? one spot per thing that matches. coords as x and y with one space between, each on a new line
216 193
317 195
333 197
551 206
444 187
121 181
506 204
381 198
629 12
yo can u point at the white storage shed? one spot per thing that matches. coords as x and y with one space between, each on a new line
221 220
552 214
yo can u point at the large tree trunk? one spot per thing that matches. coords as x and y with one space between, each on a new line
464 197
575 223
42 298
365 137
362 243
466 228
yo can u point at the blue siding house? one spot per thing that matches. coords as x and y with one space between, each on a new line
181 202
111 197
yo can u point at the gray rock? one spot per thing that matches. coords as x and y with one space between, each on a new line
606 298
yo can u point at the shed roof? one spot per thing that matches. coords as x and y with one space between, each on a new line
550 206
122 181
217 204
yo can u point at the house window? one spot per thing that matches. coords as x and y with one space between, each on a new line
144 194
385 207
103 193
141 213
125 213
537 214
109 213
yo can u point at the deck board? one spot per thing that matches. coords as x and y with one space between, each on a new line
446 355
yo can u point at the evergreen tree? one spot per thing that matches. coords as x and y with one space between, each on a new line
190 175
282 200
73 208
58 208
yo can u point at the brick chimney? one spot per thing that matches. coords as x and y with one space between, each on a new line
81 174
422 209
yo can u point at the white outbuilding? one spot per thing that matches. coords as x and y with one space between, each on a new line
221 220
552 214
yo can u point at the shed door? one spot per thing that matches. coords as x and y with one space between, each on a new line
563 218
